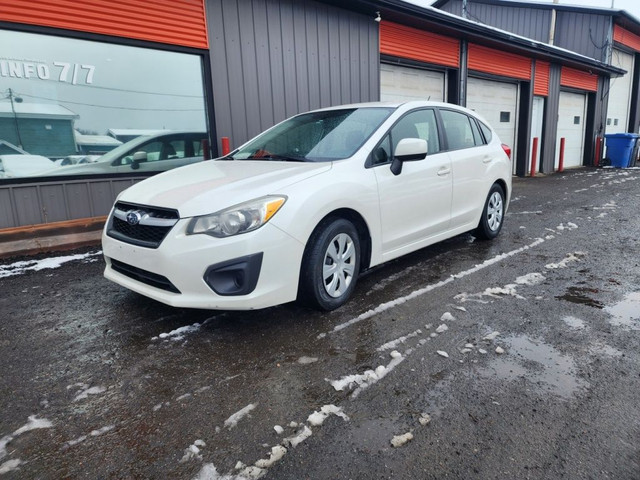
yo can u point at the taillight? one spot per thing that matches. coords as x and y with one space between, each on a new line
507 150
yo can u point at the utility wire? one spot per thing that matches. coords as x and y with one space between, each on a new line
116 107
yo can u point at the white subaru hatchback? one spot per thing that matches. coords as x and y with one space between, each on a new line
302 209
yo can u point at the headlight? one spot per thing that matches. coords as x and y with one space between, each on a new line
242 218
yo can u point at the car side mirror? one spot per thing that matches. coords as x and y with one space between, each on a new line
138 158
407 150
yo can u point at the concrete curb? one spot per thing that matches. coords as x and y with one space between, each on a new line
50 237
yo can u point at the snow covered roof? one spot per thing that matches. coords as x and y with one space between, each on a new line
105 140
36 110
116 132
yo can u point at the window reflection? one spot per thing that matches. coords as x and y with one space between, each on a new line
66 104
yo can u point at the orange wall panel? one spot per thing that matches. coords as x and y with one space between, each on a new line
625 37
175 22
488 60
541 80
412 43
570 77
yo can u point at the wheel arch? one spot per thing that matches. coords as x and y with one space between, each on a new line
359 222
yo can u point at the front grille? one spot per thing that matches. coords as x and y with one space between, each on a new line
143 276
149 227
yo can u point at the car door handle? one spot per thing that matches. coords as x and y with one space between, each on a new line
444 171
487 159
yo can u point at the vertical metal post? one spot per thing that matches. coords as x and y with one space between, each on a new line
226 148
534 156
15 118
561 161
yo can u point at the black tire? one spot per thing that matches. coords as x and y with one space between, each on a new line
327 289
492 214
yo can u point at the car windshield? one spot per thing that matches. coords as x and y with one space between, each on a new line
316 136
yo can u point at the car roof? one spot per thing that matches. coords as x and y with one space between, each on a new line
395 105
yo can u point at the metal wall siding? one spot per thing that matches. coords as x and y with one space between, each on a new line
548 151
583 33
571 77
626 38
278 58
453 6
529 22
407 42
175 22
6 209
53 204
541 80
496 62
38 203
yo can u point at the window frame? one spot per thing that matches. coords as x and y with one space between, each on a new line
369 163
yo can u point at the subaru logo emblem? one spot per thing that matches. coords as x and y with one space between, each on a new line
134 217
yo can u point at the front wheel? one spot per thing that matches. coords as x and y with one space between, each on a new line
492 214
330 265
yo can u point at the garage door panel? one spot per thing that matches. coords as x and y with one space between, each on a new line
571 127
401 84
497 103
620 94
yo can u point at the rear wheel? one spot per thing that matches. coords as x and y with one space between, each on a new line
492 214
330 265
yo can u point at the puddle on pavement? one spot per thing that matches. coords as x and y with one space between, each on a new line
539 363
579 295
626 313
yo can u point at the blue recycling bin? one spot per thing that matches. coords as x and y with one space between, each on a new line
621 148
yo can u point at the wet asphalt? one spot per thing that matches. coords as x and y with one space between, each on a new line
535 376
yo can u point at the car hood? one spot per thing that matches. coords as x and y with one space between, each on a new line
211 186
20 165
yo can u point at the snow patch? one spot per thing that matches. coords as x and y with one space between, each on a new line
442 353
364 380
571 257
93 433
447 317
492 336
317 418
89 391
276 454
179 333
442 328
300 437
10 465
33 423
19 268
400 440
233 420
398 341
193 451
307 360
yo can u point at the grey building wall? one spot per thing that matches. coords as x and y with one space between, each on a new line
37 202
550 122
274 58
529 22
583 33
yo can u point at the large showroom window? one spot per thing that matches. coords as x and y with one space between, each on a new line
79 107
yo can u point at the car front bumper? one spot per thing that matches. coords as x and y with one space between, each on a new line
179 271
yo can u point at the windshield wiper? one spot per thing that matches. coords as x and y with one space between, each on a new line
283 158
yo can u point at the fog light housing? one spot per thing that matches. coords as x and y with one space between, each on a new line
234 277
